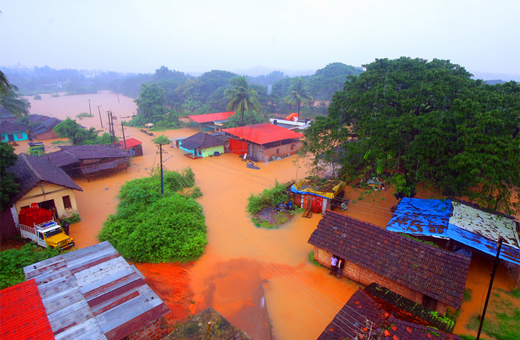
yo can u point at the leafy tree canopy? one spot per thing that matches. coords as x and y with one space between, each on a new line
78 135
298 94
330 79
425 123
7 179
162 140
250 118
150 102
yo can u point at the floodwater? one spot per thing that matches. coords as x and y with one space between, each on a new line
259 279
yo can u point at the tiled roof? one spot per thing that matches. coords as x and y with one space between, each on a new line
8 127
130 143
352 319
46 125
102 296
263 133
31 170
94 151
22 314
431 271
201 140
210 117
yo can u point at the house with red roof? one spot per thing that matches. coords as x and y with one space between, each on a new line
263 142
208 121
427 275
91 293
132 145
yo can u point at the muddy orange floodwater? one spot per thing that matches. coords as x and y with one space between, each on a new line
259 279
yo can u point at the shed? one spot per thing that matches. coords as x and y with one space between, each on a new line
317 194
39 182
93 293
366 313
459 221
11 132
263 142
201 145
208 121
89 161
46 129
133 146
427 275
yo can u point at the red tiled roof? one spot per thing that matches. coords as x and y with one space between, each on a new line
130 143
431 271
263 133
351 321
22 313
210 117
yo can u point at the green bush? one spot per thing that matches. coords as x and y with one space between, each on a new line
268 198
149 227
37 97
71 220
84 115
12 262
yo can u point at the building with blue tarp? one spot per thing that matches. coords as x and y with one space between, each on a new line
457 221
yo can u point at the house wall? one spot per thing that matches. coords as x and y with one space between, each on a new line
210 151
5 136
152 331
366 277
46 191
282 150
47 135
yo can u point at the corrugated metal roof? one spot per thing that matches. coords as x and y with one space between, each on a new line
22 314
93 293
263 133
210 117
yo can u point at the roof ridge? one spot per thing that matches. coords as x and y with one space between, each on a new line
31 167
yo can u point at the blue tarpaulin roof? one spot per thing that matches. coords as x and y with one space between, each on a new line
466 225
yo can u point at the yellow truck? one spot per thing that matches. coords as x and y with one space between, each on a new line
38 225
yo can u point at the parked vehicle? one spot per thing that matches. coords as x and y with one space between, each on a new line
38 225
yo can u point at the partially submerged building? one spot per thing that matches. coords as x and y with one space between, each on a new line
461 222
201 145
91 293
263 142
380 313
132 145
11 132
89 161
46 129
39 182
318 195
427 275
208 121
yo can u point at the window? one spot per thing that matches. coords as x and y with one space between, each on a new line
277 151
66 202
19 135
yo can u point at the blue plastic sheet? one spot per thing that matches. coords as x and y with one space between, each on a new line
421 217
293 189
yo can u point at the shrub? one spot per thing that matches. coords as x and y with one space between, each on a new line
84 115
37 97
71 220
12 262
268 198
149 227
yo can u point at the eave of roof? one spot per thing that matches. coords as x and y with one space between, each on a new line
210 117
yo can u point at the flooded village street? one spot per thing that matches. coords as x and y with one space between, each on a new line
259 279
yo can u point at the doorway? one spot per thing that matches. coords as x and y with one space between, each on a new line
49 205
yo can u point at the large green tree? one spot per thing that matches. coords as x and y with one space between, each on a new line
8 186
150 102
241 97
298 94
78 135
425 123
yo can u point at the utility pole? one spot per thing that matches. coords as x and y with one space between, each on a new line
123 129
162 184
101 120
490 286
111 128
89 108
118 99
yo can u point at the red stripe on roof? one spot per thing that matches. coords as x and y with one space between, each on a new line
130 143
22 313
263 133
210 117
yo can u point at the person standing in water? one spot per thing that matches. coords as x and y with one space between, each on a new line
333 264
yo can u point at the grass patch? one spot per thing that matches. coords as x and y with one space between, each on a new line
84 115
73 219
467 295
312 260
58 142
515 293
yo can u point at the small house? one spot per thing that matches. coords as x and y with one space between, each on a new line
383 314
46 129
89 161
208 121
39 182
318 194
427 275
132 145
263 142
11 132
201 145
91 293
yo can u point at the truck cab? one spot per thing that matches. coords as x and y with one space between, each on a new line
52 235
38 225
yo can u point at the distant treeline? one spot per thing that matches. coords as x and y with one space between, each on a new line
183 92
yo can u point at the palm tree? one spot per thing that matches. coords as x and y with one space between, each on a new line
5 86
11 103
298 94
242 98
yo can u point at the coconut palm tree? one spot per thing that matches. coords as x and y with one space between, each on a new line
11 103
242 98
298 94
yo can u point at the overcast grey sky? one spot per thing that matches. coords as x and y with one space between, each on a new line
203 35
